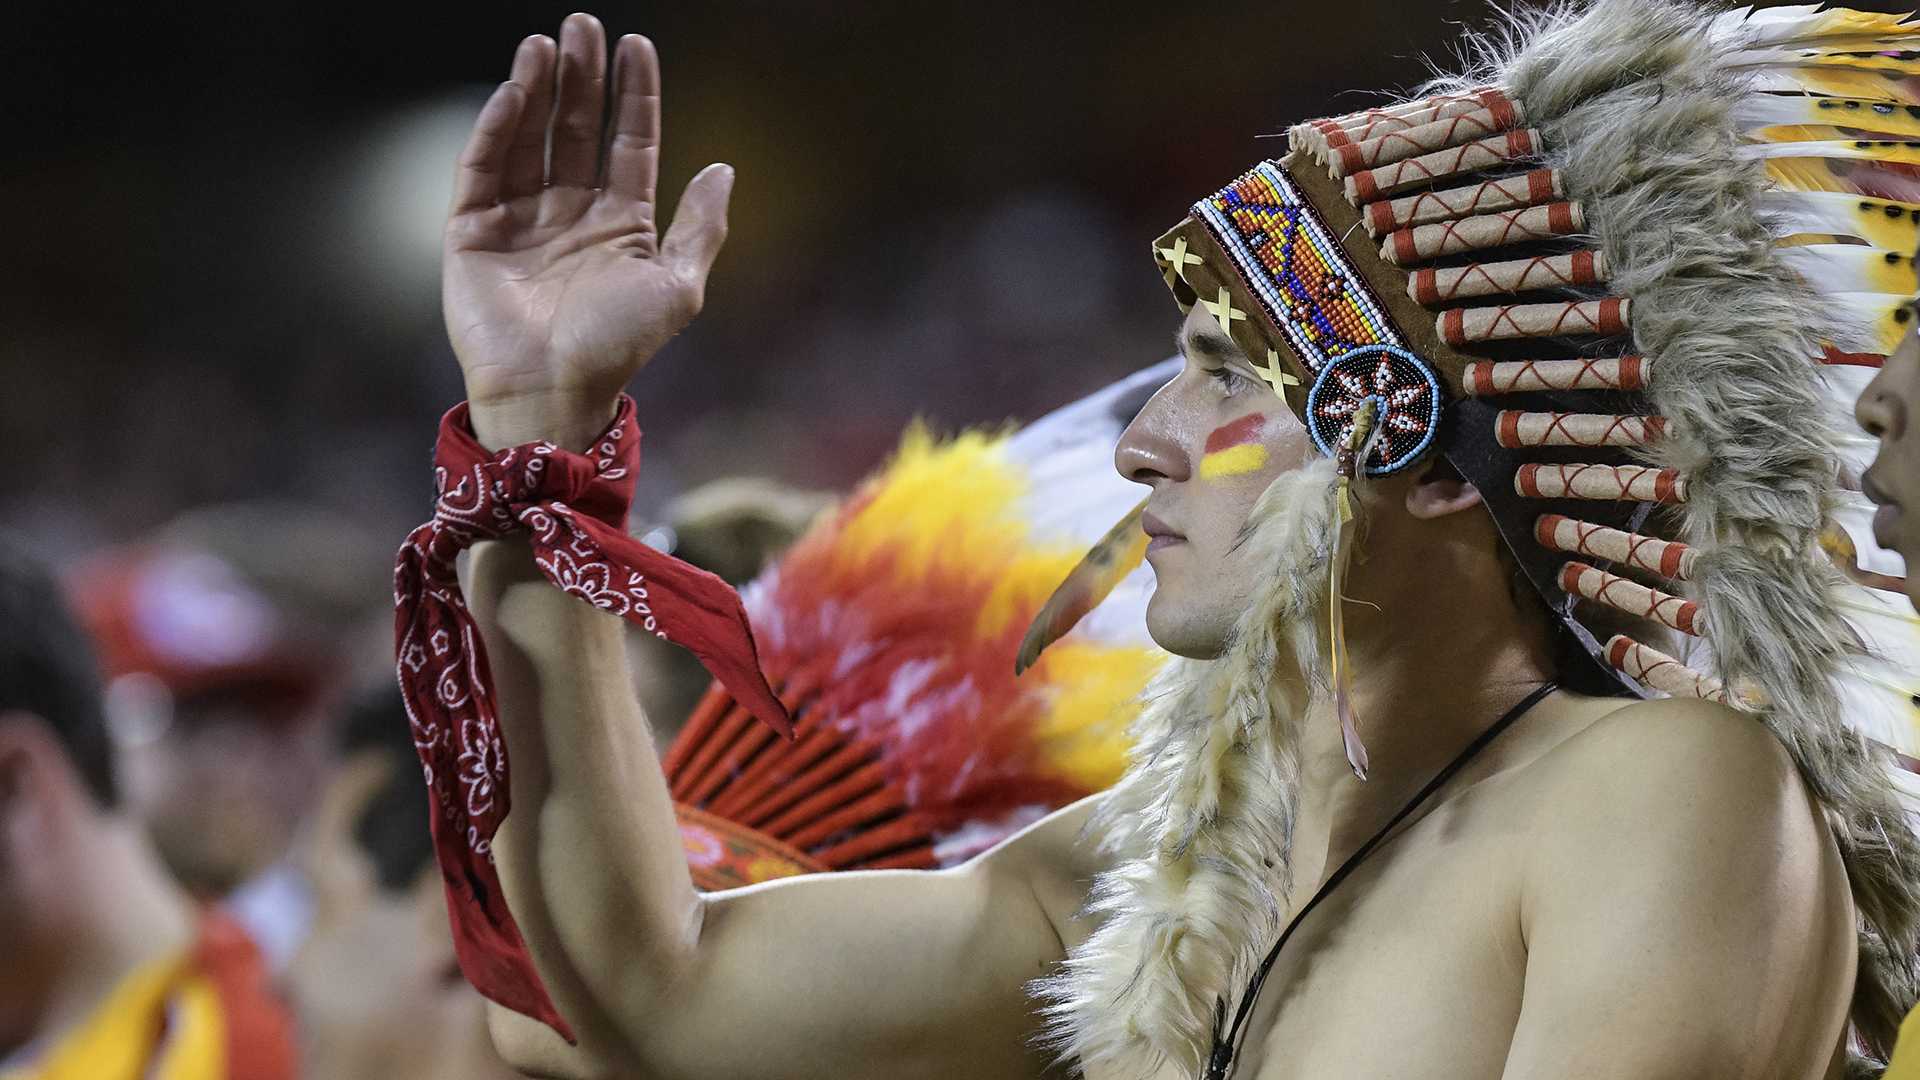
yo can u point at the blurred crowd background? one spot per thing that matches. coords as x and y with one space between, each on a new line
224 356
224 226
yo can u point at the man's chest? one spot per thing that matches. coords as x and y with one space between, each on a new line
1413 967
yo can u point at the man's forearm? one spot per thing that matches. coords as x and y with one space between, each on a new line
589 855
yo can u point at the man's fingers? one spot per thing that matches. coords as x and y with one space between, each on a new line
700 221
633 149
579 106
477 181
527 160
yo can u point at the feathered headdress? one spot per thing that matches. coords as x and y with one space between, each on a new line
890 631
1627 277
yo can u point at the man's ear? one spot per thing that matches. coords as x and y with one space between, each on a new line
1440 491
28 782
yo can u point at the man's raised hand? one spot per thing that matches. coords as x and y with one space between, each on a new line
557 287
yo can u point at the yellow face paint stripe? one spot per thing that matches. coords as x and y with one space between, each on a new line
1233 461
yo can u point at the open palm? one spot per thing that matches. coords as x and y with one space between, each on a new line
557 287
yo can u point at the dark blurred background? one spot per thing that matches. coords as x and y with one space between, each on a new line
222 254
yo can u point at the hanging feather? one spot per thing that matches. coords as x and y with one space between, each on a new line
1883 151
1783 118
1349 465
1806 23
1837 82
1116 555
1861 179
1882 685
1869 322
1884 224
1879 55
1847 268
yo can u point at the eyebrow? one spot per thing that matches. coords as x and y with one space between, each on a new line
1207 345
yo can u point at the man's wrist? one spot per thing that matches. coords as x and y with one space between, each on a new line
571 421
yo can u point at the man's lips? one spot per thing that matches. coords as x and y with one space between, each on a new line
1885 517
1159 535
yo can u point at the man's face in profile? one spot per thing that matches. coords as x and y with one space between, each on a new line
1208 443
1887 410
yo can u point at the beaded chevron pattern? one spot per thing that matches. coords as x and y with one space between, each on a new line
1295 267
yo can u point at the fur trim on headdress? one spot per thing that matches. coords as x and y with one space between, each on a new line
1635 96
1201 825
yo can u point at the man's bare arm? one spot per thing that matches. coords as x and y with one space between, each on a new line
866 974
558 289
1685 913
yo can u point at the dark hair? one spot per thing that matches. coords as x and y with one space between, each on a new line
393 830
47 667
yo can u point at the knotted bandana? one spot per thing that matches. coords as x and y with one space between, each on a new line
572 508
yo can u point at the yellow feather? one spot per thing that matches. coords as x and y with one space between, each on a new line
1096 700
1784 118
1784 26
948 513
1840 82
1853 268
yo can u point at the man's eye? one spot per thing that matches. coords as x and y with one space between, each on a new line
1230 381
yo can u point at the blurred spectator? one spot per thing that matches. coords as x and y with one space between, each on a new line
735 528
226 641
376 987
112 971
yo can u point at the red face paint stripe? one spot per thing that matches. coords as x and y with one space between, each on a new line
1241 431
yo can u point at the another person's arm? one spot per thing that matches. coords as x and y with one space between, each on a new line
557 292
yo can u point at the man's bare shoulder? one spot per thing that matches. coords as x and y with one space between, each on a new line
1054 857
1673 863
1687 792
1671 758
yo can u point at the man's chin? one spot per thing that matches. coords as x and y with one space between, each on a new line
1180 632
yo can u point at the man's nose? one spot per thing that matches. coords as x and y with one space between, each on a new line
1878 412
1149 452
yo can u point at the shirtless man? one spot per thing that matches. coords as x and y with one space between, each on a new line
1611 889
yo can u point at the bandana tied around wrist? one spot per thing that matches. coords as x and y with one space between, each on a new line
572 507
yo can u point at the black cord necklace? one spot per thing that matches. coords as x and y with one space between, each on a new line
1226 1045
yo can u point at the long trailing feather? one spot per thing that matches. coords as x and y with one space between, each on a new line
1878 54
1867 322
1116 555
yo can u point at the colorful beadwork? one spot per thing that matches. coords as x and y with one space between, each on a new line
1295 268
1407 393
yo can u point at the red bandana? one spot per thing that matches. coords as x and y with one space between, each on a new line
573 508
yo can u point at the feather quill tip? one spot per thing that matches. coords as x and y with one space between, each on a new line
1117 554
